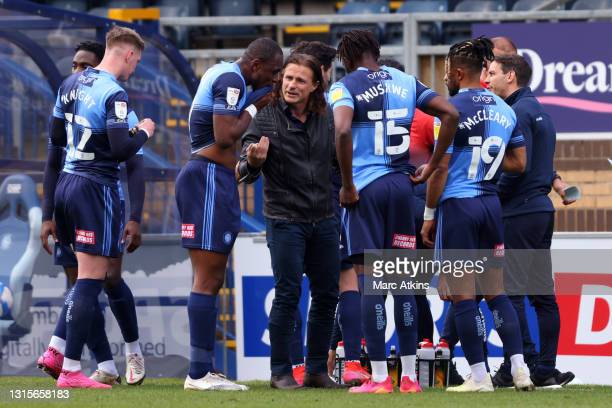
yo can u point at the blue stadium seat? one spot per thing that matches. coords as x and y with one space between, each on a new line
20 221
233 8
123 4
71 5
429 33
456 32
190 7
526 5
372 7
481 5
592 5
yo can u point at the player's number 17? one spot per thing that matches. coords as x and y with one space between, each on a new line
78 153
392 130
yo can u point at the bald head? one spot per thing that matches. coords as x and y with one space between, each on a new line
503 46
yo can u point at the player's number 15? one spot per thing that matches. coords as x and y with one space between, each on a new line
392 130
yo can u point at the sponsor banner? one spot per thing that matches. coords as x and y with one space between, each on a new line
572 81
586 314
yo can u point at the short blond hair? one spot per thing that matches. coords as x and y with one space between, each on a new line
119 34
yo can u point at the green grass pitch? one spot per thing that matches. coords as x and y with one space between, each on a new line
168 392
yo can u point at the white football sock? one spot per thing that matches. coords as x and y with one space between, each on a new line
71 365
133 348
479 371
517 361
409 367
108 367
379 371
58 343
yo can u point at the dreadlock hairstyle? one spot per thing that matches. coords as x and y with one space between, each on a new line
472 54
316 102
354 44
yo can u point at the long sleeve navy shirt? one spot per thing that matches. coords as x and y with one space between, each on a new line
528 192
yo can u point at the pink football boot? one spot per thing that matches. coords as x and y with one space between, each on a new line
51 362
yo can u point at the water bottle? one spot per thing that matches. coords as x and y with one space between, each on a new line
364 359
426 357
392 365
442 364
339 370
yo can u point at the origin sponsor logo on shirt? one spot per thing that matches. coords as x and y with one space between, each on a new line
404 241
188 231
85 237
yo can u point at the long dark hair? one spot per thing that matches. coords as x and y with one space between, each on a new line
316 102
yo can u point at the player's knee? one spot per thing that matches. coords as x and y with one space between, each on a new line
209 284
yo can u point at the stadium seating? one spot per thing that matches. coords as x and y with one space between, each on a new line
124 4
233 8
456 32
373 7
525 5
20 221
430 33
71 5
592 5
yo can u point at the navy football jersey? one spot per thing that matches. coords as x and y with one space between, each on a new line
90 102
383 104
222 91
487 127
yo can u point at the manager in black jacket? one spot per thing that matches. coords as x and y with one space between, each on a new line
292 143
529 218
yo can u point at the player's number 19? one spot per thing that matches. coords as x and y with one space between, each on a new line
480 151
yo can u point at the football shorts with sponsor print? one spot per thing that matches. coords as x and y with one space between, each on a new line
383 104
89 215
383 217
206 192
209 206
89 212
63 252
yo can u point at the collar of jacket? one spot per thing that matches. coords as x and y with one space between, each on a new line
518 94
286 109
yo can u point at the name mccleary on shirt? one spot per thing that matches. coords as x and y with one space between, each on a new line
485 114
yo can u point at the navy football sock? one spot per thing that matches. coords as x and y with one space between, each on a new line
406 323
469 329
296 347
507 324
60 327
97 341
374 323
202 311
82 307
349 317
121 302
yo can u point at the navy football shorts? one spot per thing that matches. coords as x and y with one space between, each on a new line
209 205
383 217
472 225
89 215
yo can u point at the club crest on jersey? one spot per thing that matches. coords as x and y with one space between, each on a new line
232 96
121 109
